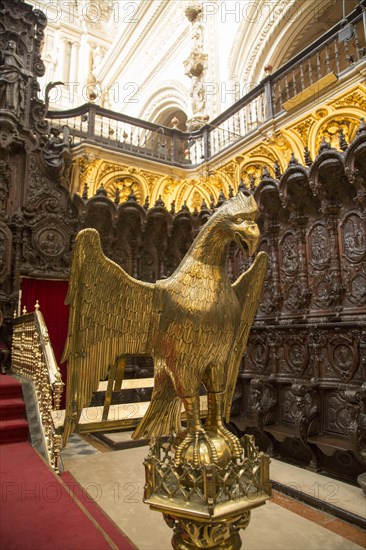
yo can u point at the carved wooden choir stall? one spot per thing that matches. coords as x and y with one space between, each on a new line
301 388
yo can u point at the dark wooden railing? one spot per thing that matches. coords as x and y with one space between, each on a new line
298 80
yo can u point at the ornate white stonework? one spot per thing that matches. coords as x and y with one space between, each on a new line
131 56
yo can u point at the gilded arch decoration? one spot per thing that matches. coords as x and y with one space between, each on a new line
344 114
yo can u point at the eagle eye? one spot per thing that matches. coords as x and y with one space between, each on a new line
239 219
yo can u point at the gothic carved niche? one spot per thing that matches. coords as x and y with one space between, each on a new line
46 251
99 215
149 266
13 78
343 356
319 246
289 257
257 354
237 262
322 292
268 302
357 290
353 238
292 297
338 418
50 243
295 356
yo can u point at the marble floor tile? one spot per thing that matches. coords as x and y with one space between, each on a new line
340 494
116 481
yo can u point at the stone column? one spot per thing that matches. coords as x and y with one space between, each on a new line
196 65
74 62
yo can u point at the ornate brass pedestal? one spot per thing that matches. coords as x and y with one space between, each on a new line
206 506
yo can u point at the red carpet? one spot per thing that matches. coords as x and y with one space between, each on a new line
98 514
39 513
13 426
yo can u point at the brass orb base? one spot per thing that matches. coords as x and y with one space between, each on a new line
223 533
218 442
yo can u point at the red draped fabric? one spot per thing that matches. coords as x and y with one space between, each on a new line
51 297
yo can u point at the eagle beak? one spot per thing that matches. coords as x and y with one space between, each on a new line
249 239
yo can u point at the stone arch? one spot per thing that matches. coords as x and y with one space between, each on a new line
249 44
170 99
286 28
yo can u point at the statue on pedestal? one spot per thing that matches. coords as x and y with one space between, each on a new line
12 79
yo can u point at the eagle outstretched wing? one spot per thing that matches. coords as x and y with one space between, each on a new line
248 289
109 316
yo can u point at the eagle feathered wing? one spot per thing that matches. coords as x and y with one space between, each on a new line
109 316
248 290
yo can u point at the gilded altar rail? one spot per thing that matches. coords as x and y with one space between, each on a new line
34 360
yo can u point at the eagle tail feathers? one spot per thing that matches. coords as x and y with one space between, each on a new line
161 418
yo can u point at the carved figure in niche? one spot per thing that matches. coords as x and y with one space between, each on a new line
12 79
197 35
288 406
97 59
343 357
56 152
323 294
50 245
296 354
197 95
259 353
292 301
358 290
319 246
290 258
354 239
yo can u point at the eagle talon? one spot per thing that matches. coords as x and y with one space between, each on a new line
195 440
232 440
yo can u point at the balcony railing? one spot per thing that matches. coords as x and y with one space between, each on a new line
303 77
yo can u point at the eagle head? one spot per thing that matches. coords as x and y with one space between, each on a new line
237 218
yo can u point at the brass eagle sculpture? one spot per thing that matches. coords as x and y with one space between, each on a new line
195 325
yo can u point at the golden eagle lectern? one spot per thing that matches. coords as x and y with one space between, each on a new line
194 324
